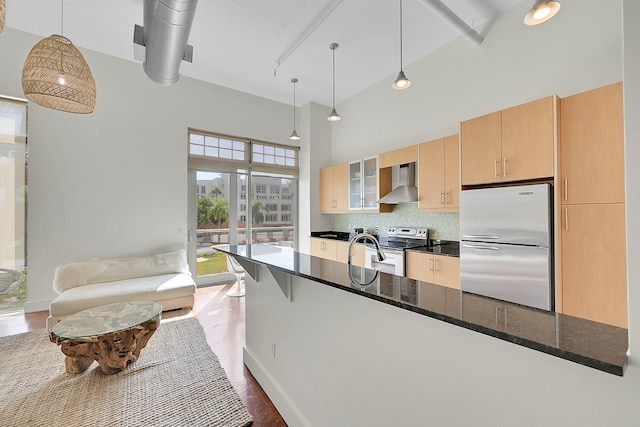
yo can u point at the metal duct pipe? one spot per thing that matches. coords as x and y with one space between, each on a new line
448 16
162 43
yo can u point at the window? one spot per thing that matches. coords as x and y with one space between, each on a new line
243 207
274 189
274 155
285 190
261 189
285 208
13 200
285 217
212 146
243 218
271 218
272 207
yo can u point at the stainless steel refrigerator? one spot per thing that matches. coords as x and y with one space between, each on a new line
506 244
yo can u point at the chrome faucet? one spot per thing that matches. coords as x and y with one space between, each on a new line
381 255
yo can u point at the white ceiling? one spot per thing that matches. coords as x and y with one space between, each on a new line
237 42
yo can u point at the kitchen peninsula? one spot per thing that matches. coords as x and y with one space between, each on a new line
314 326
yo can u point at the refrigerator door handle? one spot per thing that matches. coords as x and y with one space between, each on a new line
479 236
489 248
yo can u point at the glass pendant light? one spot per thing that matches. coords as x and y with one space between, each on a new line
542 11
402 82
334 116
294 135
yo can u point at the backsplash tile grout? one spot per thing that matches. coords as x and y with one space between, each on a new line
443 225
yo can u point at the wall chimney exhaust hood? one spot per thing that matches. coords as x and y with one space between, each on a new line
162 43
405 191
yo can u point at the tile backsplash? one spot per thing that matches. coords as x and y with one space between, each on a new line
443 225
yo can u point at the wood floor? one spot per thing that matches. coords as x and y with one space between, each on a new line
222 318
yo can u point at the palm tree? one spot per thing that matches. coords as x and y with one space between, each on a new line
258 209
219 211
204 209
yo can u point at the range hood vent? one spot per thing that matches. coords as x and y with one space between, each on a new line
406 190
162 43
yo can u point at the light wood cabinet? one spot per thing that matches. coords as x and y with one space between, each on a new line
399 156
363 184
439 175
437 269
592 262
481 149
515 144
334 183
592 146
594 267
336 250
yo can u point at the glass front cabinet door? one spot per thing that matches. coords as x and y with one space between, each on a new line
363 184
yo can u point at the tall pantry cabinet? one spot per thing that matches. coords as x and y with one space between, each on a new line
592 206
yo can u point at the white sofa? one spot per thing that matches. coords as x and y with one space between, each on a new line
163 278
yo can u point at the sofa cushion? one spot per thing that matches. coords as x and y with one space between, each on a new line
83 273
150 288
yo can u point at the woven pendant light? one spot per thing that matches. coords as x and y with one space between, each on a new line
2 11
55 75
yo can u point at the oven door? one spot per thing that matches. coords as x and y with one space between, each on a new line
394 264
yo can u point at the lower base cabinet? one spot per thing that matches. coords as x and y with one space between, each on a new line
336 250
594 262
437 269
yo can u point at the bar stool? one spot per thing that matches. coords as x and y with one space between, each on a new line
234 267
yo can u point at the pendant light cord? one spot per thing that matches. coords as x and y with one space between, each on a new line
294 105
400 35
62 18
334 77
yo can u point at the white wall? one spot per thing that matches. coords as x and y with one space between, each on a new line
579 49
315 134
114 183
345 360
632 160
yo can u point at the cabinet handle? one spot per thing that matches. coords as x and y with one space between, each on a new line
495 168
435 264
447 198
566 219
504 166
566 188
430 267
442 198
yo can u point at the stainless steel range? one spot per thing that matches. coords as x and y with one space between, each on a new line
393 244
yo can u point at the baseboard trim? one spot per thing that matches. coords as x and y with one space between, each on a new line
40 305
279 398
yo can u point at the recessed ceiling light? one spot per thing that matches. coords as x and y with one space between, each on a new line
541 11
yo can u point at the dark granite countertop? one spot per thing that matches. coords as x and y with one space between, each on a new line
592 344
440 247
335 235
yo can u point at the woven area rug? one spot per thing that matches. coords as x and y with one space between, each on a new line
177 381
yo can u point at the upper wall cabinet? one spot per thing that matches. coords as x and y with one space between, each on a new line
400 156
439 175
592 147
511 145
363 184
334 183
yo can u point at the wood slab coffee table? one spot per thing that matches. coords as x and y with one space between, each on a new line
112 334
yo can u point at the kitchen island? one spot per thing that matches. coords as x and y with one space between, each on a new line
338 345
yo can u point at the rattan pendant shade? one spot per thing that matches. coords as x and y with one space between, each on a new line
2 11
55 75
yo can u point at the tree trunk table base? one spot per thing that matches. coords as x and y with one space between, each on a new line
113 351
